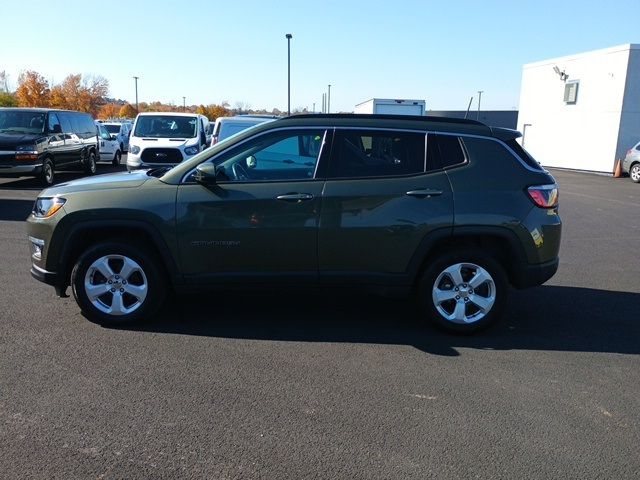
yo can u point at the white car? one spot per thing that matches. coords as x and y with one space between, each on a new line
119 131
224 127
108 147
165 139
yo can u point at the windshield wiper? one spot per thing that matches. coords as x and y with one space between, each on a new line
158 172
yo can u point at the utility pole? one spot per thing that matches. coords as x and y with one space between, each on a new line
184 106
329 100
479 100
136 79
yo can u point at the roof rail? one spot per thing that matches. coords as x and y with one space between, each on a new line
424 118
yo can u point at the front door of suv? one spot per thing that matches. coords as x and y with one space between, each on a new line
381 200
260 220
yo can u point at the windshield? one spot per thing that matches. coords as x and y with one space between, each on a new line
21 122
112 128
165 126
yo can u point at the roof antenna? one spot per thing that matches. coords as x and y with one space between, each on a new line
468 107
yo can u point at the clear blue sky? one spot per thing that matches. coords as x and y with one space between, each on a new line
235 50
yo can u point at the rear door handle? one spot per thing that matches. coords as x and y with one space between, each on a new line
424 193
295 197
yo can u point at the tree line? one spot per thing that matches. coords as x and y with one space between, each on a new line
90 94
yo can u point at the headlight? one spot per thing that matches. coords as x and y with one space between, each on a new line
134 149
47 206
192 150
26 152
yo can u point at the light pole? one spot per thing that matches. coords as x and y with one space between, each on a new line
329 100
136 79
184 107
479 100
288 37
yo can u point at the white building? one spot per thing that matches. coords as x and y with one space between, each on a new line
582 111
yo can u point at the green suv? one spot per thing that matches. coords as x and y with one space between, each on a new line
449 211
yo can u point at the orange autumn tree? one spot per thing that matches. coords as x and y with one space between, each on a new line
33 90
127 111
109 110
86 95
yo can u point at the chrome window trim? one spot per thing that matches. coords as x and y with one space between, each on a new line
501 142
184 181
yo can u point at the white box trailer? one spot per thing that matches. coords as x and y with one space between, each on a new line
390 106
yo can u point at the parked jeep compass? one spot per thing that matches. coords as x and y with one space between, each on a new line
451 212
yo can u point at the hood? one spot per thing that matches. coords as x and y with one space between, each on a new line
9 141
99 182
146 142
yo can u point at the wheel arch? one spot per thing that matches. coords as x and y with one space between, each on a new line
82 235
499 242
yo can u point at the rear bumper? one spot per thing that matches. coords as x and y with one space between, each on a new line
534 275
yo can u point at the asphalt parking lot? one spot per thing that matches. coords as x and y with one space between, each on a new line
297 385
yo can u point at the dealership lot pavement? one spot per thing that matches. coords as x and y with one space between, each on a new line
301 385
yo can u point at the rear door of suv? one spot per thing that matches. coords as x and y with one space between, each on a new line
380 201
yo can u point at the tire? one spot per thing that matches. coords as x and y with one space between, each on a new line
116 158
90 165
463 291
47 177
137 289
634 173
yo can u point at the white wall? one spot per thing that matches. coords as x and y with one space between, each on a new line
585 135
630 120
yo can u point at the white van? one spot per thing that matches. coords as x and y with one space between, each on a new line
224 127
161 139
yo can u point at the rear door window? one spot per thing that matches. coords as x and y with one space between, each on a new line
444 151
358 153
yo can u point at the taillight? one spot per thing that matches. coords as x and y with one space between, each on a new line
544 196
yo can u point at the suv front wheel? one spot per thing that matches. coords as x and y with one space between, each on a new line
115 283
463 291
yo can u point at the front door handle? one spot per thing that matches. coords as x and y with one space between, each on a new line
424 193
295 197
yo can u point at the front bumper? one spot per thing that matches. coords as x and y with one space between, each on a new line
18 170
50 278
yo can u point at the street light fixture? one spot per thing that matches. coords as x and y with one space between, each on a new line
288 36
136 79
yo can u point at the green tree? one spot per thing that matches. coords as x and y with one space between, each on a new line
8 100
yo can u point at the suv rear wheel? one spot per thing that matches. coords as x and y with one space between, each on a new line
115 283
463 291
116 158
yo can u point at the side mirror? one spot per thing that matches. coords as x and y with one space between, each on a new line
205 174
113 136
57 128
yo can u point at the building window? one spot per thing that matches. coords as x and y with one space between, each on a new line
571 92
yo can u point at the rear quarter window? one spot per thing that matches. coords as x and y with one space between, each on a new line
492 151
523 154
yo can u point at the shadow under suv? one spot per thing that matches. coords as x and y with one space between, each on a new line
449 211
